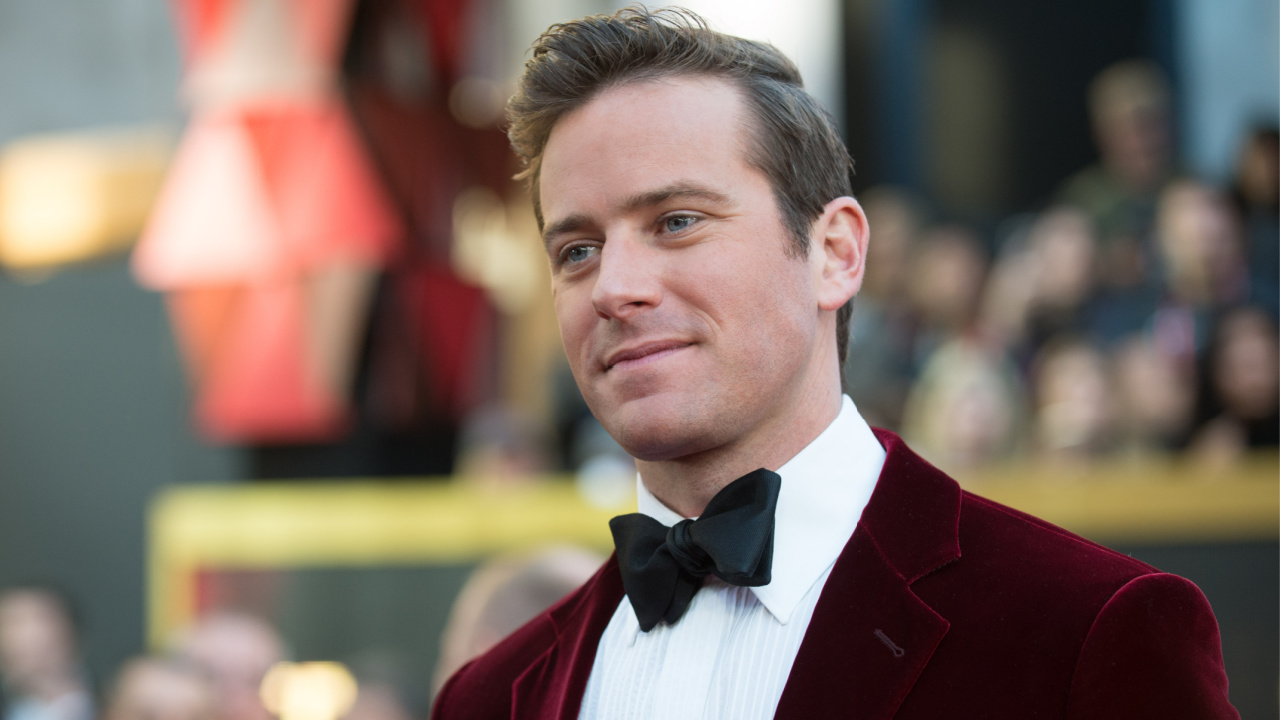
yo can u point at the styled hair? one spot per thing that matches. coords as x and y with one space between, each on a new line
793 139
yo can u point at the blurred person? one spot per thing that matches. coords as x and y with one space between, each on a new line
1010 290
787 560
1201 249
947 272
500 446
1065 246
386 689
236 650
1255 191
161 688
1074 411
505 593
379 701
947 275
1202 266
1155 398
1043 281
967 407
40 657
1240 401
1131 112
602 470
899 219
1256 182
880 328
605 474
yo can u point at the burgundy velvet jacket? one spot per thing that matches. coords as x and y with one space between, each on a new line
942 605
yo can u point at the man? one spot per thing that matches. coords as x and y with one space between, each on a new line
41 666
235 650
161 688
704 248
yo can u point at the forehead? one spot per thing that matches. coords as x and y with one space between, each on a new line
646 134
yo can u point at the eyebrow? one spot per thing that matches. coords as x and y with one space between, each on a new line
650 198
673 192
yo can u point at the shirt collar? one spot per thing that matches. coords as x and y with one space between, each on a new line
824 490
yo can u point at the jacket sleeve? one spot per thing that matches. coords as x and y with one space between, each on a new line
1153 651
482 689
443 707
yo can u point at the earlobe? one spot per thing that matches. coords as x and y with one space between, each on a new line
844 236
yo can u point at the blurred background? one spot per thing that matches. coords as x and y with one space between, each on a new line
276 342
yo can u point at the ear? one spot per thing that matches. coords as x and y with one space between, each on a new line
840 251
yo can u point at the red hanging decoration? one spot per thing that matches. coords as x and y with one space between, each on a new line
272 223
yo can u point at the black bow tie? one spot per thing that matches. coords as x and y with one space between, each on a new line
733 539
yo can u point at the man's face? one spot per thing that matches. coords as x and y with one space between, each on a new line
36 640
687 324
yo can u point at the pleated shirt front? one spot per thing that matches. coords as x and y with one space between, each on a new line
729 656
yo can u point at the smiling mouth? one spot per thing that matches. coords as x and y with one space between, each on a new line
643 354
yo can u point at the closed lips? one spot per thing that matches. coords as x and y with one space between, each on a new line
641 351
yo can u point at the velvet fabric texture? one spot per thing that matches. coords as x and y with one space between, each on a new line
942 605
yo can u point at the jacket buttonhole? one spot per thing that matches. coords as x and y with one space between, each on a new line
893 647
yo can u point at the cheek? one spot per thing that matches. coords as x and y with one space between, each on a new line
760 308
576 317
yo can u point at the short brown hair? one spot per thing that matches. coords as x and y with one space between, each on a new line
797 145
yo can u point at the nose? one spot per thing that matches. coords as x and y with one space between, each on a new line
628 280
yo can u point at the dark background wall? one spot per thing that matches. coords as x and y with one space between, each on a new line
990 91
92 422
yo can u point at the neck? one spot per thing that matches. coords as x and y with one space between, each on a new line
686 484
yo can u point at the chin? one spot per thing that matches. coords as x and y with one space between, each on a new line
654 434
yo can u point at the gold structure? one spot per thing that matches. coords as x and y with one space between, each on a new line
370 523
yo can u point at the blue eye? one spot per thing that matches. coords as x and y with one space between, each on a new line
577 253
676 223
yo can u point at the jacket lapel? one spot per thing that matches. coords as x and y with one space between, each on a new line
870 636
551 688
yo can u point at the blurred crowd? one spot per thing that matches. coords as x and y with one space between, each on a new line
1136 314
212 673
229 664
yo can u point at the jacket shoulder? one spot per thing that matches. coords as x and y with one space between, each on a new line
1057 621
987 526
929 528
1042 571
482 688
1154 650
